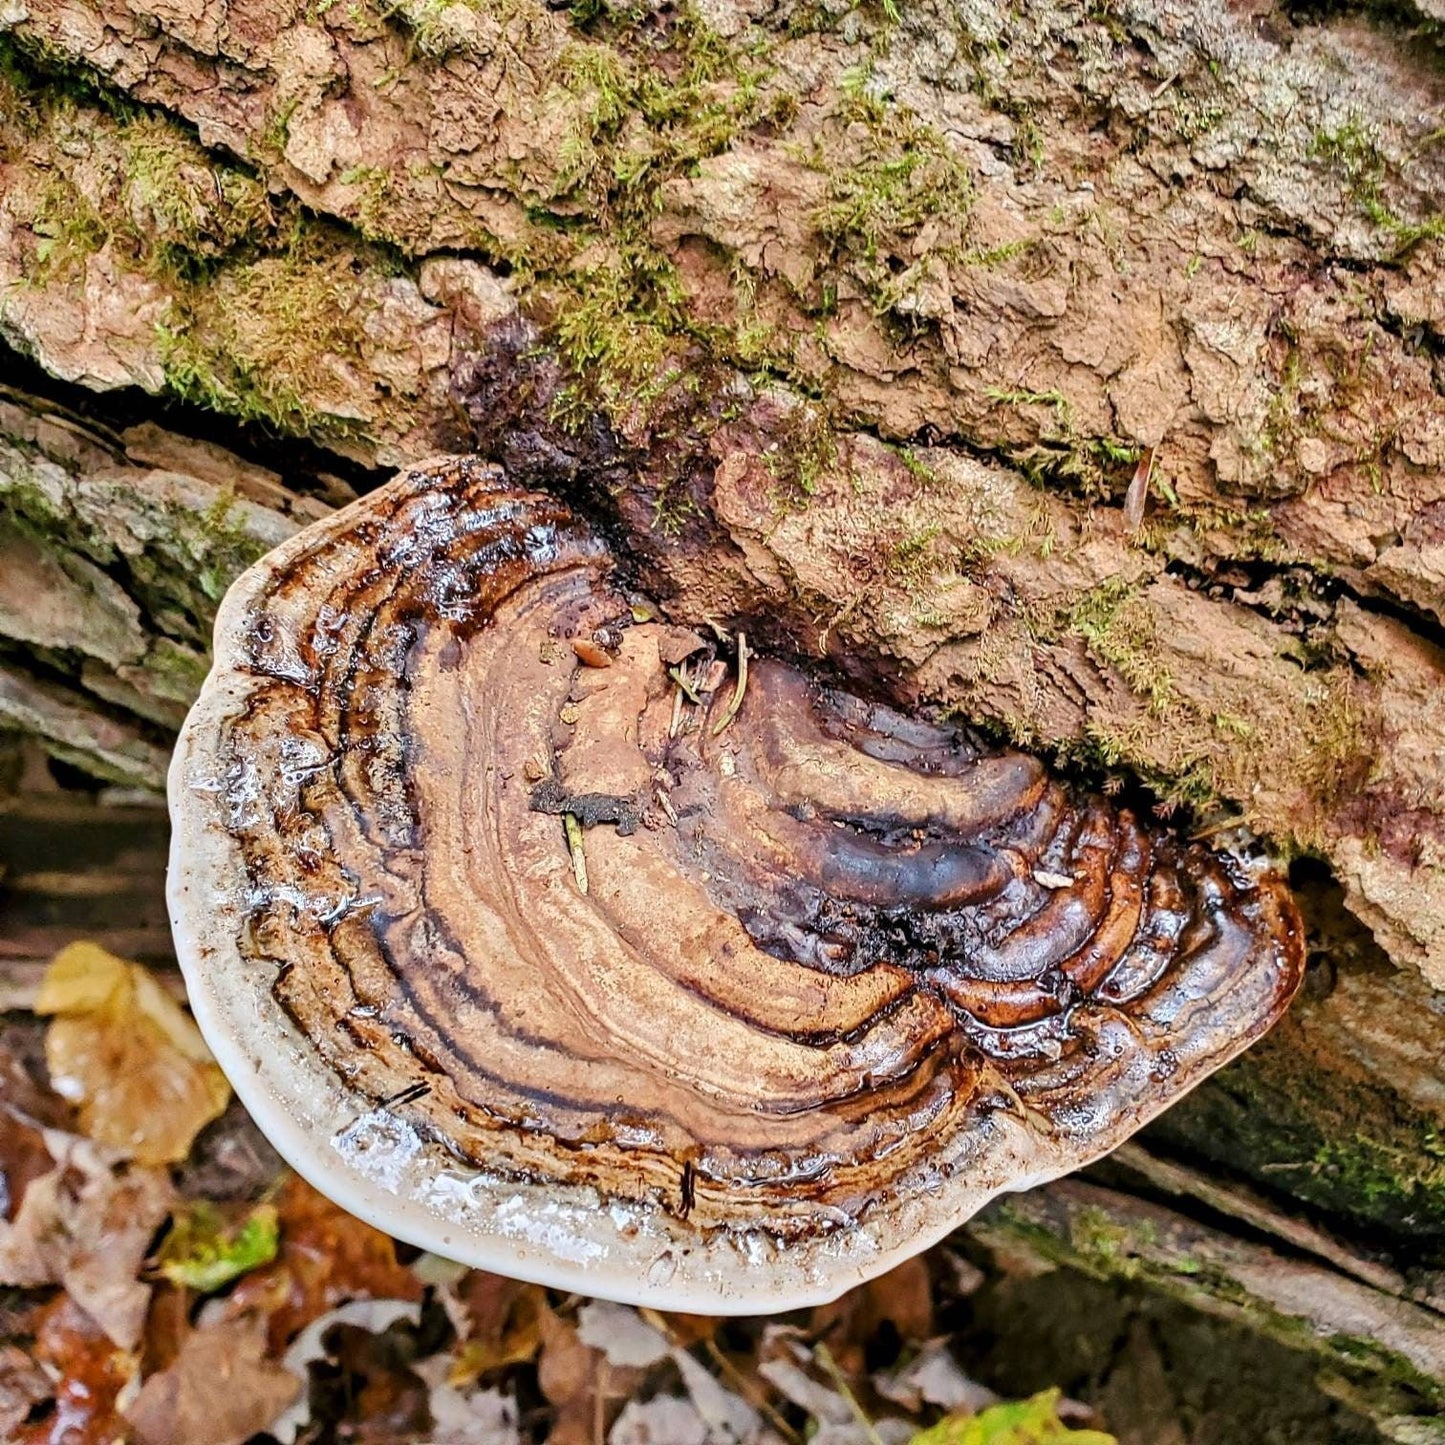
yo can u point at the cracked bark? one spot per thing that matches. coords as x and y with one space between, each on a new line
875 320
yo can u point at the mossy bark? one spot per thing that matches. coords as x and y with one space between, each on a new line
1073 366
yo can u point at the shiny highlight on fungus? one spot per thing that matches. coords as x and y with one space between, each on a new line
682 979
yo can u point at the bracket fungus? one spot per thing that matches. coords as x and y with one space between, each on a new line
543 937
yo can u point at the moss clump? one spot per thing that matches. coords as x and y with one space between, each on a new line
67 227
1353 151
803 447
1121 630
438 28
1301 1119
121 176
181 208
265 304
666 95
265 339
890 175
620 328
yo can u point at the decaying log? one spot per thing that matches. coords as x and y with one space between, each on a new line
1076 367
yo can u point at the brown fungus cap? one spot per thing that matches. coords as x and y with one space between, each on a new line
837 978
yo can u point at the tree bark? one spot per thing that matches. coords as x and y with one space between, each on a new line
1076 367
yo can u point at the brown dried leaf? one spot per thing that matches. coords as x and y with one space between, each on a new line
589 654
167 1327
484 1417
902 1299
1137 496
663 1420
89 1374
23 1159
386 1401
84 1226
221 1389
505 1319
122 1050
22 1384
581 1386
25 1110
21 1096
325 1256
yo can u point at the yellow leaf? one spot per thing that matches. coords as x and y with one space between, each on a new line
80 979
123 1051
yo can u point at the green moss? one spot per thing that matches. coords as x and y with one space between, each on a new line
906 175
889 175
648 112
375 207
176 672
995 256
804 447
1107 753
1130 1251
1095 466
260 339
909 560
1353 150
185 209
648 109
1298 1119
1120 631
68 228
263 300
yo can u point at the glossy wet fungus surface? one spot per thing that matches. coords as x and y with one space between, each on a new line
559 942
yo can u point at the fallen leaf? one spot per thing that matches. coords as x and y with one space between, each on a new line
622 1335
933 1377
122 1050
501 1324
88 1227
368 1387
22 1095
372 1316
727 1414
167 1327
325 1257
579 1383
899 1302
22 1384
663 1420
1034 1421
483 1417
89 1374
23 1159
26 1110
795 1384
220 1390
206 1249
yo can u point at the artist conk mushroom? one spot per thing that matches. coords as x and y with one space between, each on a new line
559 943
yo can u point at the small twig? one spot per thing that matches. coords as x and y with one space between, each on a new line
687 684
739 690
574 847
840 1383
1222 826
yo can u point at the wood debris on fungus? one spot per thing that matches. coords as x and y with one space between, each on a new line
842 989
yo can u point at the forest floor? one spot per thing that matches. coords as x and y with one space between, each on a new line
153 1245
